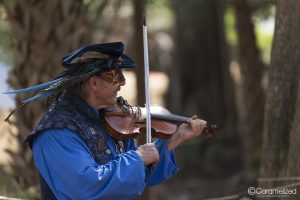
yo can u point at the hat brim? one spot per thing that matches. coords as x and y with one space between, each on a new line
127 62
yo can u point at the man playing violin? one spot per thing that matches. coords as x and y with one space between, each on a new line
75 155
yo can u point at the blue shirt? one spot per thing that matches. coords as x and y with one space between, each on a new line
67 165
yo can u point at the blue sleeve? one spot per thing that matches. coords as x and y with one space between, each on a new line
164 169
65 162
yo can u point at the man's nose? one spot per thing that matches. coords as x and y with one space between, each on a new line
122 83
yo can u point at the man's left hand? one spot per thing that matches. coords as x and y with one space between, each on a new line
187 131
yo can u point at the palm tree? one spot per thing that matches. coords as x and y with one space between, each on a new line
43 31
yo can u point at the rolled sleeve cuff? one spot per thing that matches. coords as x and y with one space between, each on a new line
166 168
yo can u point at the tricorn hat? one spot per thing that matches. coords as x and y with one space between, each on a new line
105 51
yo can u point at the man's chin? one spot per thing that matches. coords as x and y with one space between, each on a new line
113 100
108 102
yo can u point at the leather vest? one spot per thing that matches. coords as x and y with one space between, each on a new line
73 113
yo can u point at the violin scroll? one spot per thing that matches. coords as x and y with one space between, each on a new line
210 130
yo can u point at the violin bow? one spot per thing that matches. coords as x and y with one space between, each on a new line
147 88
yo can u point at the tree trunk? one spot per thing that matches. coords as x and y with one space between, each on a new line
200 82
281 128
251 123
202 61
139 13
43 31
293 165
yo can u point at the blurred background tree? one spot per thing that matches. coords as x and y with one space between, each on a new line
211 56
41 32
281 139
252 68
200 80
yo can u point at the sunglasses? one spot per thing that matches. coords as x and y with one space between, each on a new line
113 77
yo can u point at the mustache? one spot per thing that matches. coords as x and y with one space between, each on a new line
118 89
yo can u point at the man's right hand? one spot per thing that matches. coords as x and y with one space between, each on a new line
148 153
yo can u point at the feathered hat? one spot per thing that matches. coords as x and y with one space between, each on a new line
78 66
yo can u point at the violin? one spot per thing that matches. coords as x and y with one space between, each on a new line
123 121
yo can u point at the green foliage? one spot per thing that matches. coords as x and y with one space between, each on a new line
264 41
87 1
263 9
230 32
256 160
159 7
96 8
263 19
159 3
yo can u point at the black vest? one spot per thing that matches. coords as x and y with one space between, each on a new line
73 113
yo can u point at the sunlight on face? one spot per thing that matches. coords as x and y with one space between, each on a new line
106 92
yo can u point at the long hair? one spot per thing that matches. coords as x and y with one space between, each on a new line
76 88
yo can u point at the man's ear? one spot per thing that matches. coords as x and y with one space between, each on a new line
92 83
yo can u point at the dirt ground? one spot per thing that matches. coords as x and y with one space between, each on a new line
191 185
7 141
